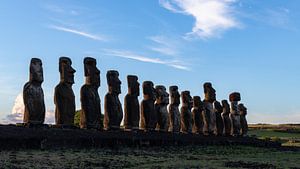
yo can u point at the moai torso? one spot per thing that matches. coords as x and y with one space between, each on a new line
64 97
174 114
225 117
90 116
219 121
209 116
148 114
162 101
186 114
197 115
244 124
113 114
234 114
33 95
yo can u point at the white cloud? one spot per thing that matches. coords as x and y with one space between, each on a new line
274 118
78 32
130 55
164 45
212 16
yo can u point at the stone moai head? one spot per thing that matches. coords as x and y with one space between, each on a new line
113 82
133 85
242 109
175 96
162 97
148 90
226 107
36 70
197 101
209 92
186 98
235 97
91 72
218 107
66 70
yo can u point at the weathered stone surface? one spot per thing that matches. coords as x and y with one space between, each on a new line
219 121
33 95
131 104
64 98
174 114
148 114
225 117
113 114
244 124
161 109
234 113
197 115
90 116
208 113
186 114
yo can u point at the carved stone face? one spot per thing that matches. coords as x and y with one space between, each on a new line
91 72
36 70
66 70
133 85
197 101
175 96
186 98
218 106
235 97
113 82
225 106
162 97
242 109
148 89
209 92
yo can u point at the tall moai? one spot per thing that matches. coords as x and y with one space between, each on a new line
33 95
226 118
161 108
234 115
113 114
186 114
197 115
244 124
208 113
219 121
64 98
90 117
174 114
148 114
131 104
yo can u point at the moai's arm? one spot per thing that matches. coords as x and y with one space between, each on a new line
28 98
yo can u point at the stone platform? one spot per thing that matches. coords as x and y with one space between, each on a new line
13 137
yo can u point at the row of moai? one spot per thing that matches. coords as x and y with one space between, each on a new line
155 113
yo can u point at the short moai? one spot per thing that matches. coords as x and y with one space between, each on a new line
148 114
64 98
197 115
113 113
209 116
161 108
90 116
244 124
174 113
33 95
131 104
219 121
226 118
234 115
185 112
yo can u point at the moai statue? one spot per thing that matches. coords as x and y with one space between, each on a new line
244 124
225 117
234 115
90 117
209 116
174 114
113 114
161 108
219 121
186 114
33 95
131 104
197 115
148 115
64 98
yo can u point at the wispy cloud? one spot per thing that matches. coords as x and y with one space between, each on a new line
130 55
212 16
164 45
270 118
78 32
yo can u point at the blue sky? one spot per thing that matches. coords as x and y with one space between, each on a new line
247 46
